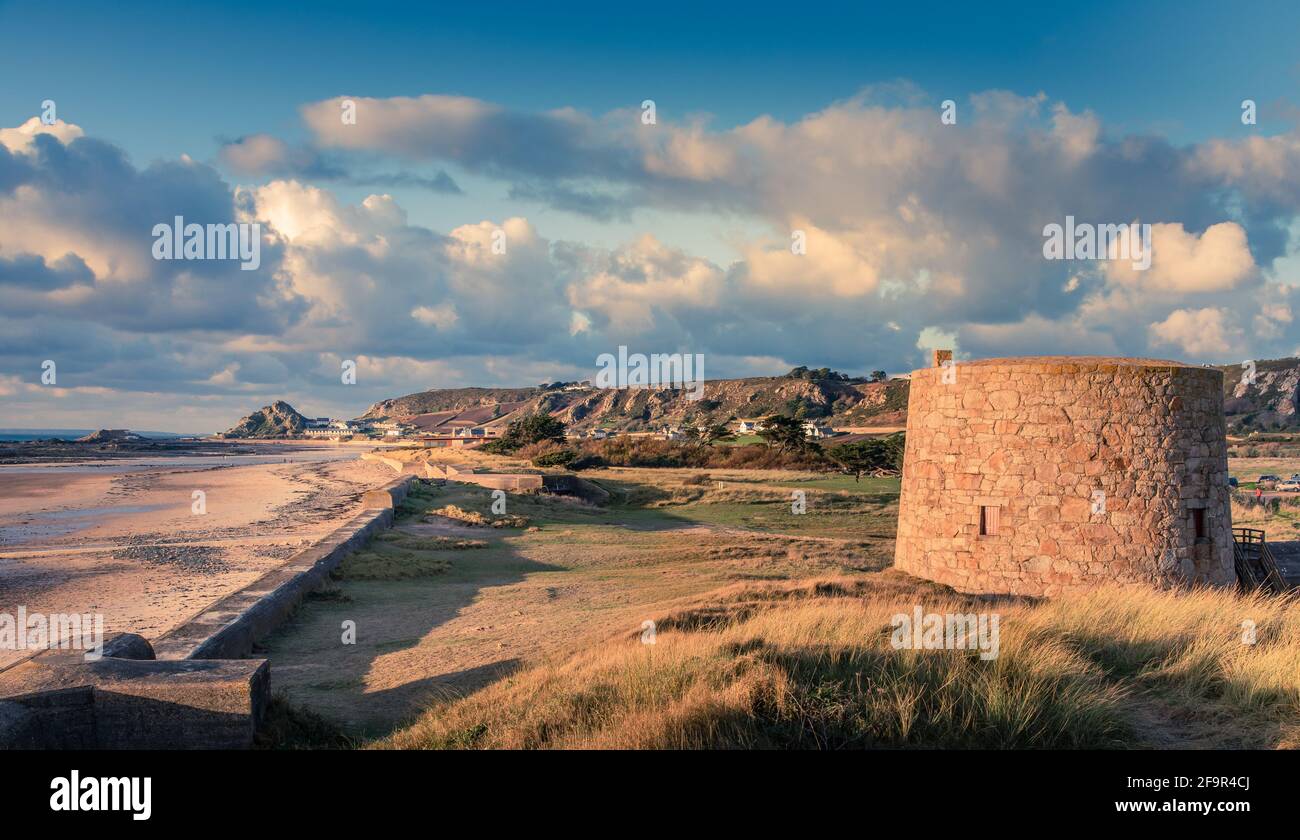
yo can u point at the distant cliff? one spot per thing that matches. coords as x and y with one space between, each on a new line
834 401
1270 402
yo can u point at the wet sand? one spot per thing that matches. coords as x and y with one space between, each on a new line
124 538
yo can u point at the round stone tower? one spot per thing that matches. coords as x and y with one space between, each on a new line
1041 475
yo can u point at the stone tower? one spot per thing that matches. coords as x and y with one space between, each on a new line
1041 475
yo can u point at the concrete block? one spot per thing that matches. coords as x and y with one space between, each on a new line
65 702
390 495
58 718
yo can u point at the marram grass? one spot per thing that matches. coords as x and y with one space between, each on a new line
812 667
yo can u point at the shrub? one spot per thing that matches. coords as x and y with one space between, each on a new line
555 458
469 517
586 461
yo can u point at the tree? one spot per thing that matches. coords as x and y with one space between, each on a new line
878 376
875 456
786 433
531 428
708 434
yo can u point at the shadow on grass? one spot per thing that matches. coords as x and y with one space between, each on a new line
394 615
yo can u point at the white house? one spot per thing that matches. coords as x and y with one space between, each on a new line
812 430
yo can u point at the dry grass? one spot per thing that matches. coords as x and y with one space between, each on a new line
1186 651
395 555
473 517
456 455
773 630
811 666
403 539
1278 518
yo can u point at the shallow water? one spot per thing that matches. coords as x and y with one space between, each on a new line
59 523
129 465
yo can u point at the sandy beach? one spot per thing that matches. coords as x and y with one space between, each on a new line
124 538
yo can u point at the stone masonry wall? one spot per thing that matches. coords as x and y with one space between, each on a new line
1036 438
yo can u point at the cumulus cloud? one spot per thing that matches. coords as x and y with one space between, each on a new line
443 316
644 286
915 234
262 156
1217 260
896 201
78 229
1199 332
22 138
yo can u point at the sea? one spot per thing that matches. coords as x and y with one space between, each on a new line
71 434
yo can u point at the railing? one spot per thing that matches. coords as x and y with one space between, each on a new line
1256 567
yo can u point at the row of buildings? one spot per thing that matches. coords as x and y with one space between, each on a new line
738 427
325 428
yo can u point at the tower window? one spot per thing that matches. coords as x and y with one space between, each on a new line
988 521
1198 523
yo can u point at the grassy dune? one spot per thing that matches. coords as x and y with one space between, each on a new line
811 666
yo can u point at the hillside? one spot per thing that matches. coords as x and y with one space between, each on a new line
835 401
1270 403
276 420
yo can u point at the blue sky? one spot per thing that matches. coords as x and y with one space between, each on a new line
1156 65
1131 95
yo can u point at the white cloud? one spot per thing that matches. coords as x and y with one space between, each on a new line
22 138
1216 261
934 338
913 229
255 154
1199 332
442 316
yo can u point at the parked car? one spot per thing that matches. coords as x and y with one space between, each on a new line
1267 482
1291 485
